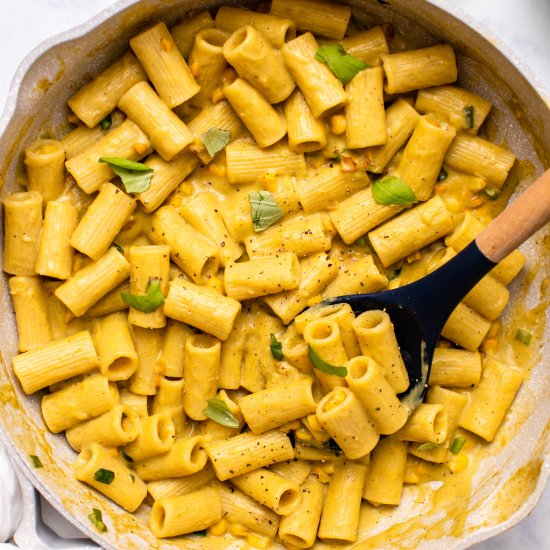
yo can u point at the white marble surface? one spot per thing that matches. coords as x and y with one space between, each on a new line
521 24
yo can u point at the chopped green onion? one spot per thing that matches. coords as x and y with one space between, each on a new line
36 462
443 175
427 447
492 193
106 122
393 190
457 444
215 140
148 303
343 65
265 211
135 176
97 520
469 117
218 412
523 336
323 366
104 476
276 348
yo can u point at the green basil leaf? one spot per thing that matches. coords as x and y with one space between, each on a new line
36 462
492 193
442 175
265 211
469 117
457 444
393 190
343 65
148 303
215 140
135 176
218 412
106 123
97 520
323 366
276 348
427 447
104 476
523 336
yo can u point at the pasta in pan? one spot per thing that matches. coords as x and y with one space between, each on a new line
224 178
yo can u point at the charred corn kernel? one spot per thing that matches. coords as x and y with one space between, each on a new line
195 68
347 164
219 528
328 469
217 169
314 300
414 257
458 463
140 148
338 124
494 329
238 530
490 344
258 541
217 95
73 119
229 76
166 45
303 435
441 188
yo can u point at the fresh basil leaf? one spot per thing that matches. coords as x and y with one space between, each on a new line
492 193
343 65
523 336
148 303
323 366
215 140
276 348
106 123
393 190
457 444
97 520
104 476
442 175
265 211
218 412
468 117
36 462
135 176
427 447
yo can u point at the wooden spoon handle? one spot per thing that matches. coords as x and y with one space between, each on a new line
514 225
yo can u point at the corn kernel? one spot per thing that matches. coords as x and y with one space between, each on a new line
454 205
217 96
185 189
217 169
338 124
258 541
314 423
490 344
140 148
458 463
195 68
303 435
165 45
219 528
440 189
238 530
328 469
476 200
477 184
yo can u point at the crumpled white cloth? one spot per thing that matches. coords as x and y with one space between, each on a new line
10 499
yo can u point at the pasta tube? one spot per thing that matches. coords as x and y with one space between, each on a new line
44 162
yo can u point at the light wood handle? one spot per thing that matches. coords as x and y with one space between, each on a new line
514 225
